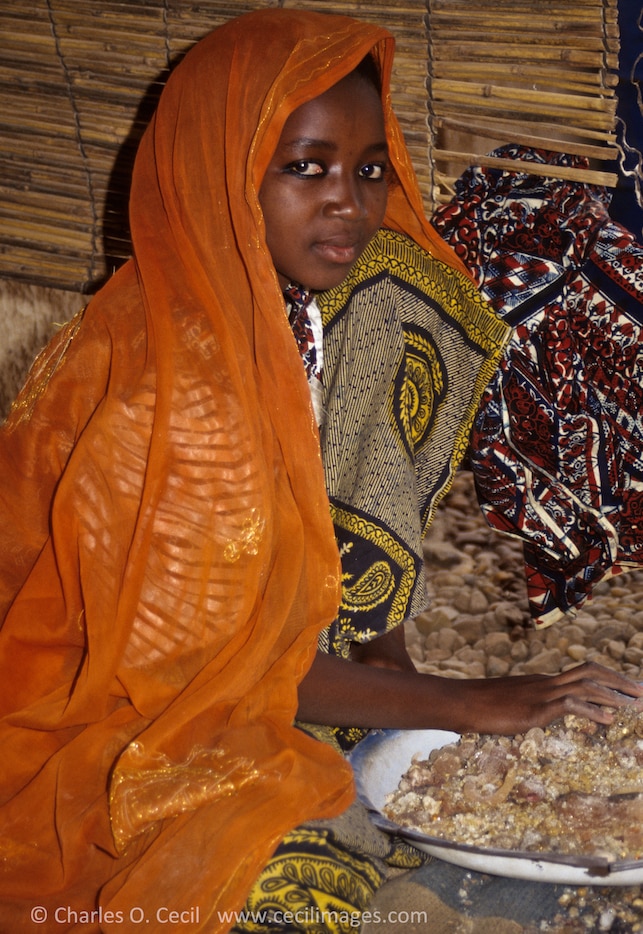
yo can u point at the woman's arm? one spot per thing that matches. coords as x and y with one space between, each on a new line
387 651
344 693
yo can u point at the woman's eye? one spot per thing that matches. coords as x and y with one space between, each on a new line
305 168
373 170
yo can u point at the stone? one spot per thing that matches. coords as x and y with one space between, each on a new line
508 613
615 648
443 579
607 632
442 552
435 619
451 640
469 653
497 644
497 667
519 651
577 652
472 537
547 662
461 599
536 647
478 602
587 621
633 655
470 628
601 659
623 613
573 632
468 668
436 654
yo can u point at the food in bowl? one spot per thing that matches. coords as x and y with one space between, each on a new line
573 788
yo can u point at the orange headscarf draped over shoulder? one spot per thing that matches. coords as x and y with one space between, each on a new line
168 557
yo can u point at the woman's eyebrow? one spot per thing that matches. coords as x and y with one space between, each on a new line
309 142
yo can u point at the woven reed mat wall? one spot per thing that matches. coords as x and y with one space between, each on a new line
537 72
78 83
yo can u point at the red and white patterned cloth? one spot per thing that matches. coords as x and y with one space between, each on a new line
557 446
304 318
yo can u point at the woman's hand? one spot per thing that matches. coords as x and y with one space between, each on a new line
515 704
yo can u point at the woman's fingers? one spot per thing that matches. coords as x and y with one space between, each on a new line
590 690
590 672
590 686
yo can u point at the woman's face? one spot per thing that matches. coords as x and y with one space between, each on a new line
324 193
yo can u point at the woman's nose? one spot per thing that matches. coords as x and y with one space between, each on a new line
345 198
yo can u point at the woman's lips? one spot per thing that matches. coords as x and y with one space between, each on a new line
338 252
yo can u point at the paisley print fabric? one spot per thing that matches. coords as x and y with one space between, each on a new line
323 876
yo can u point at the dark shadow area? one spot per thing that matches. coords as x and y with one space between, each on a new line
627 202
115 232
115 222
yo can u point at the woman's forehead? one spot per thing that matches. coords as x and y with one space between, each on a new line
353 98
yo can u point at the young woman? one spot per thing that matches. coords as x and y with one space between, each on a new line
171 534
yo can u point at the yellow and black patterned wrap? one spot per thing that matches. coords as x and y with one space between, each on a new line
409 346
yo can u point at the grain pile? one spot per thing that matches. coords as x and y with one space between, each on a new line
478 626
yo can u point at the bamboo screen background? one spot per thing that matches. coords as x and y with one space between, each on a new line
78 83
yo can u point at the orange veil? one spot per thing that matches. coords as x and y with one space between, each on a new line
168 553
